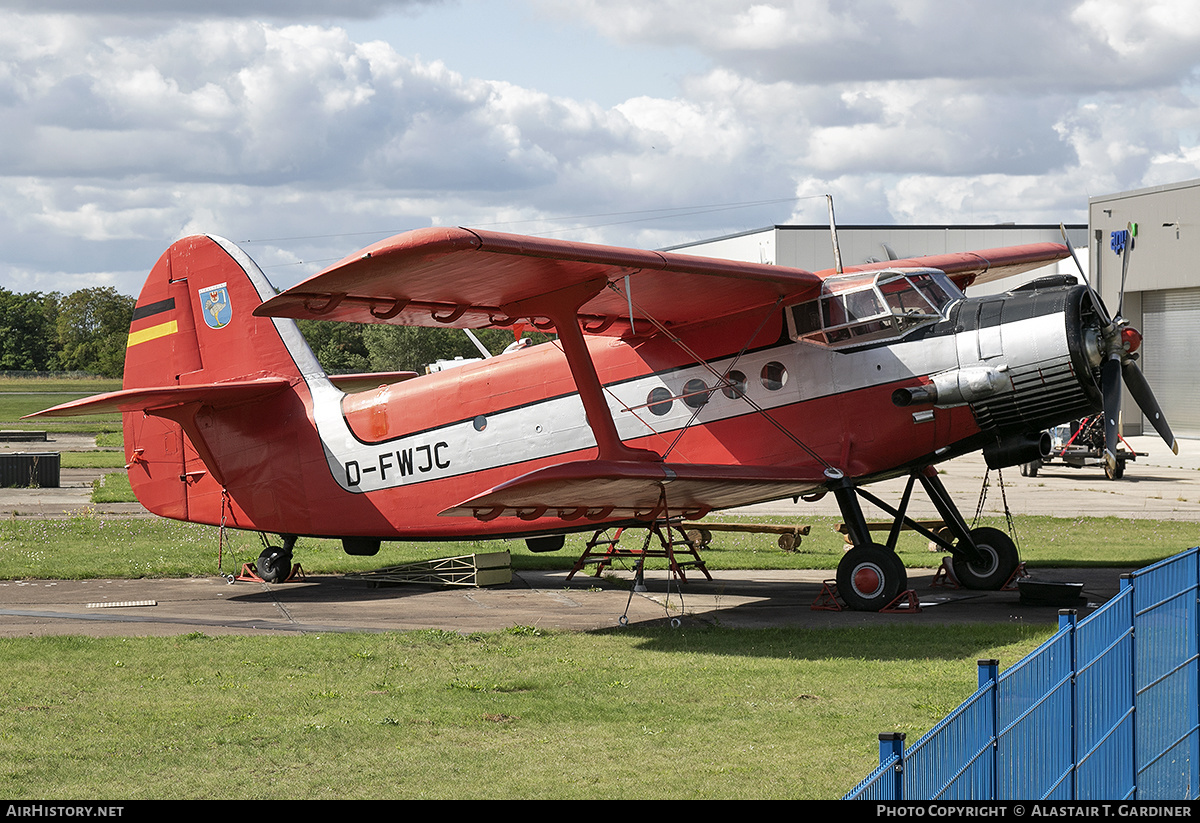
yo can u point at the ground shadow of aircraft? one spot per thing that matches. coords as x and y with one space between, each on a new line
677 386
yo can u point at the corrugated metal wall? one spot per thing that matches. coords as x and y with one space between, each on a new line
1171 328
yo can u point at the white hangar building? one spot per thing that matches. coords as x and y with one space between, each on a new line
1162 290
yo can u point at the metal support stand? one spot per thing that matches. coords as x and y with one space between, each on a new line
602 550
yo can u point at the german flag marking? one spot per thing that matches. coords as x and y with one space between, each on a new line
152 333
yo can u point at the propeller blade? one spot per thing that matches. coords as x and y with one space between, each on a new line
1106 321
1144 397
1125 266
1110 386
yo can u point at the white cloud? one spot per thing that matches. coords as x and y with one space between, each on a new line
263 121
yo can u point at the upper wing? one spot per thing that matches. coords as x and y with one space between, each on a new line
466 279
973 267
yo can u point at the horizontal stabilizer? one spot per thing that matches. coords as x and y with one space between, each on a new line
215 395
608 489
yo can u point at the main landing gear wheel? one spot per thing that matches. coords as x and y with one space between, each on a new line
274 564
999 563
869 577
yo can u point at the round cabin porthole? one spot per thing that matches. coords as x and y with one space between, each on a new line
480 423
735 385
659 401
774 376
695 393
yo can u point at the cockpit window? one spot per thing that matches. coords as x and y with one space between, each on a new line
859 308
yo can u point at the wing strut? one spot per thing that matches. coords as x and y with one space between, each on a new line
561 308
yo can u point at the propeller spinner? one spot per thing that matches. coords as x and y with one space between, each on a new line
1118 342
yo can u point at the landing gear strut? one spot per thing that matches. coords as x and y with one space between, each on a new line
870 575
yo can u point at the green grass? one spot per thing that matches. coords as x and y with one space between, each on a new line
631 714
95 460
88 545
20 396
84 385
113 488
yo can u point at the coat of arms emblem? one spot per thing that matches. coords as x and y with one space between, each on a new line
214 301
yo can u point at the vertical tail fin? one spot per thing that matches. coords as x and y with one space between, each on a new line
194 326
194 322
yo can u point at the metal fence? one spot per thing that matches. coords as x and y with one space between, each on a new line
1106 709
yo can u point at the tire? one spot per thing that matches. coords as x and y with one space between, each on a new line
1000 563
1030 469
1116 473
274 565
869 577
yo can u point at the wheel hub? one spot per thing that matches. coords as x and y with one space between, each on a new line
989 563
867 579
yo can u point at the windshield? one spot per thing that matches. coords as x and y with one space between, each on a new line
858 308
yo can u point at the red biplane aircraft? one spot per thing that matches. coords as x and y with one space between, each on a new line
677 385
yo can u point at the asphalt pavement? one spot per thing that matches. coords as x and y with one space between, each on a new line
1157 485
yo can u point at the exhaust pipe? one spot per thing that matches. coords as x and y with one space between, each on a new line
1023 448
954 388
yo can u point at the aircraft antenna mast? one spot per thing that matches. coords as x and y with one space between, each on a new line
837 252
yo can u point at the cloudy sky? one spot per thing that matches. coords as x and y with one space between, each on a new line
306 129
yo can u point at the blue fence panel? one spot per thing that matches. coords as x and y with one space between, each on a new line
1108 708
1034 711
1104 702
954 761
879 784
1164 678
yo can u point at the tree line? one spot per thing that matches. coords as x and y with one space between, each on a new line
83 331
87 330
346 348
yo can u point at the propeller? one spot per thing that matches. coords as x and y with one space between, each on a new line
1119 343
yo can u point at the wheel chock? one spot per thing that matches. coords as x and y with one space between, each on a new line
944 578
1017 575
827 600
905 603
249 574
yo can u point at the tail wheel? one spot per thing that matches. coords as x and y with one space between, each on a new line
1000 560
274 564
869 577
